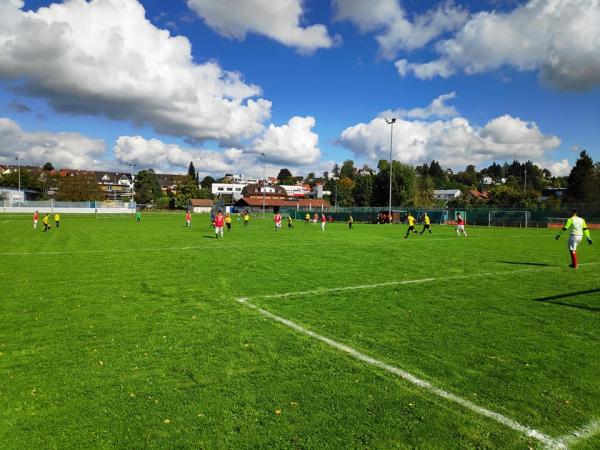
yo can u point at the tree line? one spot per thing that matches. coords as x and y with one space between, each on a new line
514 184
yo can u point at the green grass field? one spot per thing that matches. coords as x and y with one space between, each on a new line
122 334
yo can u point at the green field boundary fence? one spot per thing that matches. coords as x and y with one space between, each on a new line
501 217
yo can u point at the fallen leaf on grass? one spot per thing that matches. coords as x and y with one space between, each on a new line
278 412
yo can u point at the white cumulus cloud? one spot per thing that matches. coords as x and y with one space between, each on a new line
437 108
105 57
279 20
560 39
293 143
455 142
71 150
397 31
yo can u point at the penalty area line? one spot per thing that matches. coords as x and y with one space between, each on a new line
401 282
586 432
548 441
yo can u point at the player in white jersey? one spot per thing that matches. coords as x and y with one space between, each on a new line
578 229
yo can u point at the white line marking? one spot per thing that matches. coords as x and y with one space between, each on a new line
581 434
527 431
422 280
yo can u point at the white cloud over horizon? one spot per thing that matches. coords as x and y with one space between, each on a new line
559 39
103 57
280 21
454 142
65 149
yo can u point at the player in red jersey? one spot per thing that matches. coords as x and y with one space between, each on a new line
36 217
460 225
323 222
219 223
277 220
188 219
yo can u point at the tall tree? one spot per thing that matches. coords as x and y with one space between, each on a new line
48 167
207 182
348 170
403 184
186 191
78 188
283 176
582 182
192 170
363 189
147 187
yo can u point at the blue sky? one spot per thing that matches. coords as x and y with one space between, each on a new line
528 89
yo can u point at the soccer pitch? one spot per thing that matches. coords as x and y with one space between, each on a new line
123 334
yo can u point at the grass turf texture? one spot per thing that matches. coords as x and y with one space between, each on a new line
116 333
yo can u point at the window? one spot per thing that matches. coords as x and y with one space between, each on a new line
229 189
219 189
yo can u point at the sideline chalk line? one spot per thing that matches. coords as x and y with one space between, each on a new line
581 434
548 441
422 280
234 247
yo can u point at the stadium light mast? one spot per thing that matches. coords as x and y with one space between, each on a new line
19 171
132 165
264 179
391 122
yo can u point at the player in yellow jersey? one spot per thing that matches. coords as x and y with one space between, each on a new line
57 219
426 224
307 218
228 221
46 222
246 218
578 229
411 225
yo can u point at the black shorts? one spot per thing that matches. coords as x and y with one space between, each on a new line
426 226
411 228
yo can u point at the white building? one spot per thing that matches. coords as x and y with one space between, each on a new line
296 190
241 179
228 189
12 195
446 194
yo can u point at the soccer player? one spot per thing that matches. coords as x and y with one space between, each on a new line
246 218
350 221
460 225
323 222
411 225
219 222
228 221
290 222
315 218
138 216
188 218
307 218
36 216
57 219
578 229
426 224
46 222
277 220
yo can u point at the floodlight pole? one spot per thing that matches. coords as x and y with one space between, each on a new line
132 184
19 171
391 122
263 183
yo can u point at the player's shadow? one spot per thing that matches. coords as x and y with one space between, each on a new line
554 300
207 236
524 263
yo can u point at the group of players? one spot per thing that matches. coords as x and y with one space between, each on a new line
576 226
46 221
